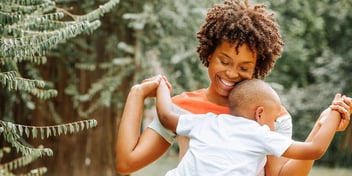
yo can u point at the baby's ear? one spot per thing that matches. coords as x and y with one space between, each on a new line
259 113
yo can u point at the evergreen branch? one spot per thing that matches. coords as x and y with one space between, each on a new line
31 22
12 132
33 59
10 135
108 82
116 62
24 18
43 94
9 18
37 172
48 131
50 25
104 65
26 7
23 2
39 43
86 66
105 87
19 162
11 81
95 14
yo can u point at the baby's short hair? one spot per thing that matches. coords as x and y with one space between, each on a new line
249 92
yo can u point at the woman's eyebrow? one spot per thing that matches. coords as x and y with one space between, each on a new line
229 57
226 55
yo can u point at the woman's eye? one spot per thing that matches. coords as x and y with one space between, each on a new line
244 69
224 62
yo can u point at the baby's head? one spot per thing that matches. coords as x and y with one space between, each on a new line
256 100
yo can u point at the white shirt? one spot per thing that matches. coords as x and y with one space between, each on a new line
283 125
225 145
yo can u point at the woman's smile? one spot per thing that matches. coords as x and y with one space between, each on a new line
226 85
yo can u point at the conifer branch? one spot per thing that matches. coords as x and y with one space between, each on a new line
6 168
95 14
29 30
11 81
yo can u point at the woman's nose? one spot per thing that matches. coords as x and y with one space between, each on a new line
232 72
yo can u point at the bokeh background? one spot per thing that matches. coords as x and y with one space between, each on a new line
138 39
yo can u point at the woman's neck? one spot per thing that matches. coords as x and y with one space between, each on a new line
216 98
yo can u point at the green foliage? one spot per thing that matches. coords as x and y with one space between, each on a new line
7 168
12 133
316 62
167 35
29 29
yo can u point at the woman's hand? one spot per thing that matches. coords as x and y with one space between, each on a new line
344 106
149 86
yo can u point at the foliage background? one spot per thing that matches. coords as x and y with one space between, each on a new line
138 39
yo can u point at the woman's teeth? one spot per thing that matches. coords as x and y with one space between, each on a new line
226 83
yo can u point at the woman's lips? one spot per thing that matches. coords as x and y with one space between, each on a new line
228 85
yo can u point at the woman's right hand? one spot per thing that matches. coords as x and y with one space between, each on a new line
150 85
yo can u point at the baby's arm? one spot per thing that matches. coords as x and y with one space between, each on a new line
317 146
167 116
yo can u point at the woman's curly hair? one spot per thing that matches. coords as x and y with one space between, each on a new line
243 23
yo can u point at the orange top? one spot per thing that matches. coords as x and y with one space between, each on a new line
197 103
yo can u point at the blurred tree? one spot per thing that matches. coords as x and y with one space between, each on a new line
138 39
315 65
29 30
93 74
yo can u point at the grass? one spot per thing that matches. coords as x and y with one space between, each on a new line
169 161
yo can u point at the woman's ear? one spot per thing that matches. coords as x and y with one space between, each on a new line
209 57
259 114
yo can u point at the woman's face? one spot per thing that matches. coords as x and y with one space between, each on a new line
226 68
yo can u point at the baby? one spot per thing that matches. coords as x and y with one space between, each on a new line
235 143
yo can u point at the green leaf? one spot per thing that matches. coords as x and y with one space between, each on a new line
42 133
34 133
26 131
71 128
59 130
20 129
48 132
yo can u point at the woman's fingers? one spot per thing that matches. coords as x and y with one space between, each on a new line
157 77
343 105
348 102
149 86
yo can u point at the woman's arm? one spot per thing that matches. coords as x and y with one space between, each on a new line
317 147
166 115
285 166
135 150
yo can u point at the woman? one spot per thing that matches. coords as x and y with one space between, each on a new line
238 41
